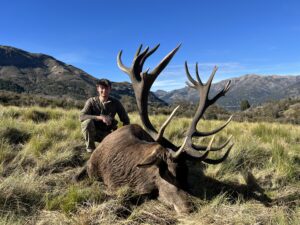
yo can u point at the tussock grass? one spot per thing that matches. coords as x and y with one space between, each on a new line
42 148
46 217
14 135
36 116
21 193
10 112
7 152
152 213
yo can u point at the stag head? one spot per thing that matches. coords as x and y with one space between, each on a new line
162 155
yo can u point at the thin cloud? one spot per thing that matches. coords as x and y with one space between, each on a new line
168 85
174 76
225 69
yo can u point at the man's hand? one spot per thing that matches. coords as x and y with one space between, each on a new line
105 119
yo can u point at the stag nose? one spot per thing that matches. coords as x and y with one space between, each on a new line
183 209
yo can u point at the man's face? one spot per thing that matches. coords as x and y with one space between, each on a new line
103 91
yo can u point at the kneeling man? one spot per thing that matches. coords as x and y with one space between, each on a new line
98 115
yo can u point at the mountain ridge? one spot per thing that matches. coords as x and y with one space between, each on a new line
41 74
255 88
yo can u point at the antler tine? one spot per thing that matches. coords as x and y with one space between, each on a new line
138 52
147 55
180 150
165 124
213 149
217 161
164 62
197 75
221 93
189 75
190 85
196 154
139 57
211 77
136 64
124 68
203 134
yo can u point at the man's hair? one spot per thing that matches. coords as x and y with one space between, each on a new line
103 82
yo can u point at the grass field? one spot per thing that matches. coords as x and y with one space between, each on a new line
42 148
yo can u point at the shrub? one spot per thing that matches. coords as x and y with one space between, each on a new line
37 116
14 135
244 105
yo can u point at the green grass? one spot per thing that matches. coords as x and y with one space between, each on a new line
42 148
69 200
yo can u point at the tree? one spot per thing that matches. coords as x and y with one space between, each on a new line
244 105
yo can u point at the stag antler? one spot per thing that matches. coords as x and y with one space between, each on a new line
204 102
142 82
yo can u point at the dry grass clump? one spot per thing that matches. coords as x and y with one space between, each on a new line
46 217
125 207
109 212
152 213
41 149
21 193
14 135
241 213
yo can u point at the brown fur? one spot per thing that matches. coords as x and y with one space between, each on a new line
129 156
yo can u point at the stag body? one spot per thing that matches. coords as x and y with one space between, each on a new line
140 163
142 158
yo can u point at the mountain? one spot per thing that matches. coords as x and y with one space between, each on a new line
43 75
254 88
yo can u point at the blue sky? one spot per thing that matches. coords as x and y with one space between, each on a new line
240 36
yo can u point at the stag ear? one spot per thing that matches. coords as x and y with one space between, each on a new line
150 160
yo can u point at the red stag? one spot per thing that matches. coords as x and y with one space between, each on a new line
142 158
